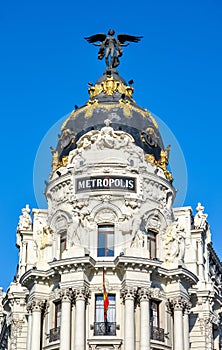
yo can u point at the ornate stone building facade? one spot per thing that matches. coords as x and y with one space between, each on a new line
110 198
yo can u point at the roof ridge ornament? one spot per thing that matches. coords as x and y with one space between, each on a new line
111 47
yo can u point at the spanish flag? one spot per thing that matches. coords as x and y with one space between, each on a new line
105 298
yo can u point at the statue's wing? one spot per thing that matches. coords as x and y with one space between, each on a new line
125 37
96 37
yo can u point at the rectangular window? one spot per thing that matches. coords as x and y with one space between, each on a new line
156 332
154 313
105 240
63 240
111 312
54 333
102 327
151 242
57 319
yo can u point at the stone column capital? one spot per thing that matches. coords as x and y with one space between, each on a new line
177 303
66 295
37 305
82 293
128 293
144 294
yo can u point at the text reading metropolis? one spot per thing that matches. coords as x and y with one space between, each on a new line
101 183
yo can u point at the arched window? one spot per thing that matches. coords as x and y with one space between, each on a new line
151 243
105 240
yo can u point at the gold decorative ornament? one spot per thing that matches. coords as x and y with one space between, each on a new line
150 158
162 162
65 160
55 159
109 87
127 106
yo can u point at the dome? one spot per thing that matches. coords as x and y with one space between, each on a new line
111 99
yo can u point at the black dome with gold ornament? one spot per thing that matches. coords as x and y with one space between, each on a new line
111 98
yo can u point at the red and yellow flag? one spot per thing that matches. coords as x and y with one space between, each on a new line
105 298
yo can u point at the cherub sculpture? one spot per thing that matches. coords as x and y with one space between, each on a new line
111 47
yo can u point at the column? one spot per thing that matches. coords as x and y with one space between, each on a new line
144 296
187 308
65 331
37 307
178 323
128 295
29 331
24 257
80 297
200 260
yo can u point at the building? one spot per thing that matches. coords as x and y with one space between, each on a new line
110 225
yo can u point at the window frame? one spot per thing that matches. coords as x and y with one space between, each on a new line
112 305
152 238
152 320
57 310
106 248
62 242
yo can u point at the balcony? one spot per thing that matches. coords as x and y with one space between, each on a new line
54 334
105 328
157 333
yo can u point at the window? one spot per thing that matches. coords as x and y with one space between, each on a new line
111 312
151 243
154 313
57 318
105 240
157 333
63 240
54 333
100 326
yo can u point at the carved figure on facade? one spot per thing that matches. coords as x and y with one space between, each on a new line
138 240
107 137
72 232
139 237
43 240
200 218
85 142
175 242
78 229
25 221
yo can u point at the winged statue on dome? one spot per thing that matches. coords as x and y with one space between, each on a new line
111 47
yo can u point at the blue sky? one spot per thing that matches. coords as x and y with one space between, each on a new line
45 65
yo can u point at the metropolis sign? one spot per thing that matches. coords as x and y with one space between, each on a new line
103 183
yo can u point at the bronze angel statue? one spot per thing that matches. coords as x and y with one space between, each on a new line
111 47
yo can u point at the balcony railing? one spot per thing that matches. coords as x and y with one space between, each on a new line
105 328
54 334
157 333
